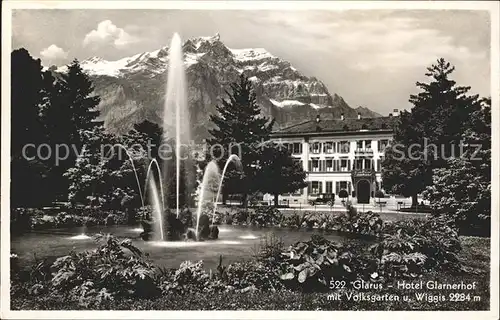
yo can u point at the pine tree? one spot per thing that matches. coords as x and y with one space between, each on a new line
462 189
239 124
27 170
280 173
70 110
436 118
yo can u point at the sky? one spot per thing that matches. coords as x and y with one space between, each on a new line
372 58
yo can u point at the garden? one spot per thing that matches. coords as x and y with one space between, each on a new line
117 274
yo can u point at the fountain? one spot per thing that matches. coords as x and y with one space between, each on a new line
176 129
164 225
232 158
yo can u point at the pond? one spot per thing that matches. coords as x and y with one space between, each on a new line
235 243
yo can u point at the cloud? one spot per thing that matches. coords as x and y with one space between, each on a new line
53 52
381 41
108 33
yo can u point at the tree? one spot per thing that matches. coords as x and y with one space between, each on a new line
280 172
239 129
436 119
71 109
27 170
103 177
462 189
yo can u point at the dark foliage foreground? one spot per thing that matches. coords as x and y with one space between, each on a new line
118 276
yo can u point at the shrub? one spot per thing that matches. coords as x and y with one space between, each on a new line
316 262
188 278
252 275
294 220
379 194
343 194
240 217
265 216
270 249
104 273
410 247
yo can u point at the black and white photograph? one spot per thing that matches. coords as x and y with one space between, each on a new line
248 159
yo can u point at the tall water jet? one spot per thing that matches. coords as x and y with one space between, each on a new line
175 112
232 158
211 174
157 208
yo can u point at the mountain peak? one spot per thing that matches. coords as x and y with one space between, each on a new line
133 87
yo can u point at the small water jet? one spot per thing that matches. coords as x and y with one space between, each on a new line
80 237
211 171
232 158
248 237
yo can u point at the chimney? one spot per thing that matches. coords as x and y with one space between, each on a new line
317 118
359 115
341 116
395 112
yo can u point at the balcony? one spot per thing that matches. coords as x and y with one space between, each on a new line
363 151
363 173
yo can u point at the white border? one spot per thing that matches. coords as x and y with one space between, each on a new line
7 7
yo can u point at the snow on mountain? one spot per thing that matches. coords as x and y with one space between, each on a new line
132 88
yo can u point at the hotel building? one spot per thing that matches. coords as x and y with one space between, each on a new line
338 154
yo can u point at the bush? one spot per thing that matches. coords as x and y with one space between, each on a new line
294 220
343 194
310 265
190 277
265 216
100 275
411 247
379 194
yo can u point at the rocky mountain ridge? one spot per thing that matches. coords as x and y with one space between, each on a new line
132 89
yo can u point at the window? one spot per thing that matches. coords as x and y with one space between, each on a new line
344 165
343 185
296 148
315 187
314 165
315 147
344 147
328 147
368 144
383 144
329 187
329 165
359 144
368 164
358 164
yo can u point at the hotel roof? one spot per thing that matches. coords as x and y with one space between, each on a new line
339 126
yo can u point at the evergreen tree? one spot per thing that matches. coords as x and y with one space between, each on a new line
280 172
240 129
71 109
462 189
27 171
436 118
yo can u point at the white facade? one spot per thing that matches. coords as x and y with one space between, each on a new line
329 160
